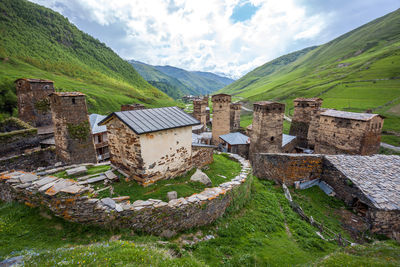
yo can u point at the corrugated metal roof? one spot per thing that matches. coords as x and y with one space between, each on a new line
286 139
153 120
349 115
235 138
95 119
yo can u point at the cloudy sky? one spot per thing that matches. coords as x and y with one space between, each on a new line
221 36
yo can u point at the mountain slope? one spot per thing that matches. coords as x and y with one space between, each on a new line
40 43
359 70
177 82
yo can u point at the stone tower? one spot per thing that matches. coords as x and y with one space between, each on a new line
267 129
221 116
132 107
73 139
304 111
199 110
235 116
33 101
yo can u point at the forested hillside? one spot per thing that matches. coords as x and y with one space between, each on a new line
177 82
37 42
356 72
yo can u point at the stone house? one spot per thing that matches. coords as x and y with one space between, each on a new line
33 101
237 143
99 135
221 116
343 132
151 144
200 112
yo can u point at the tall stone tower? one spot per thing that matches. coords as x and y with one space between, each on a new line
74 143
235 116
267 129
199 110
33 101
221 116
304 110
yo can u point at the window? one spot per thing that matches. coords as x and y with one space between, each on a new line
272 138
73 100
99 138
45 87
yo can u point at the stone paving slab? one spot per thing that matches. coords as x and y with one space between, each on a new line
58 186
45 180
77 171
72 189
27 178
110 175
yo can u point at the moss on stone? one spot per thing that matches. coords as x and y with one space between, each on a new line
79 131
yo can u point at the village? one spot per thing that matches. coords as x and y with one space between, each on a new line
54 133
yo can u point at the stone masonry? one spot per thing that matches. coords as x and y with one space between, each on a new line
70 200
33 101
73 139
267 128
235 116
221 116
304 108
132 107
199 110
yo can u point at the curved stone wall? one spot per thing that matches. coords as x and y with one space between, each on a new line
67 199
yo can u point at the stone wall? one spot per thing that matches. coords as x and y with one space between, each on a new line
72 135
221 117
29 161
287 168
16 137
132 107
202 155
67 199
199 111
33 101
235 116
385 222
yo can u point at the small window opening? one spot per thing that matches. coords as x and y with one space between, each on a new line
73 100
272 138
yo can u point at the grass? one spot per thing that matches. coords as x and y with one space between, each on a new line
222 165
90 170
386 151
265 232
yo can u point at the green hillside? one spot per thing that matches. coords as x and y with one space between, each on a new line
355 72
177 82
37 42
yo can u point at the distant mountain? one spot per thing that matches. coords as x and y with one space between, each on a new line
36 42
358 71
177 82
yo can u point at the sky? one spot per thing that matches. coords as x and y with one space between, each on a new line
230 37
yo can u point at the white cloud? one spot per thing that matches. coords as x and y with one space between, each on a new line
199 35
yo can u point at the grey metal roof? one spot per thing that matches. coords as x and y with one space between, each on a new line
286 139
154 119
95 119
235 138
377 176
349 115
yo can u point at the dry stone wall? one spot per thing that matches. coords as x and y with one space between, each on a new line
202 155
71 201
30 161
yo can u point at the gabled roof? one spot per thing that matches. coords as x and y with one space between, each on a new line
235 138
95 119
154 119
348 115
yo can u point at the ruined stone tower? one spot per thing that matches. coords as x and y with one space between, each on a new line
304 109
33 101
132 107
221 116
267 129
74 143
235 116
199 110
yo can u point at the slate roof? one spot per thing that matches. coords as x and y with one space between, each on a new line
349 115
378 177
286 139
95 119
235 138
153 119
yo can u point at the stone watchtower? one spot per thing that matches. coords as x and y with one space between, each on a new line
199 110
267 129
73 139
221 116
33 101
132 107
235 116
304 110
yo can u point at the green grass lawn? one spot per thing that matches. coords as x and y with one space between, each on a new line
265 232
90 170
222 166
